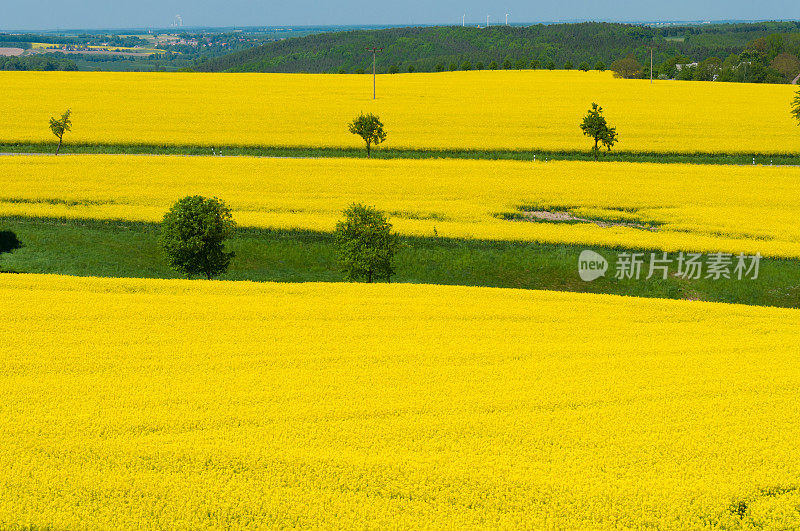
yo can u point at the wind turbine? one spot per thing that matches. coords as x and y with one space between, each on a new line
507 18
463 19
487 21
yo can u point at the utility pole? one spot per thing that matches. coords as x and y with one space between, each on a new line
374 53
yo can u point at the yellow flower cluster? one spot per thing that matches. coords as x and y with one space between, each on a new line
479 110
187 404
693 207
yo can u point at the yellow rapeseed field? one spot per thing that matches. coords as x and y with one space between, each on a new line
483 110
187 404
693 207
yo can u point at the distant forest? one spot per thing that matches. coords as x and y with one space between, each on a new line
51 61
755 52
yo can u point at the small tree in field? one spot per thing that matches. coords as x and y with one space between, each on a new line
193 235
8 242
796 107
366 244
370 128
61 126
595 126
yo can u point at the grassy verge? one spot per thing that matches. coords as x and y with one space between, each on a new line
125 249
391 153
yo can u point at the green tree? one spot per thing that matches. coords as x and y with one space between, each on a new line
600 66
479 65
370 128
506 65
708 69
536 64
493 65
568 65
687 73
453 67
796 107
366 244
521 64
787 64
412 69
669 69
61 126
193 236
584 67
551 65
466 65
731 62
8 241
594 125
627 68
394 69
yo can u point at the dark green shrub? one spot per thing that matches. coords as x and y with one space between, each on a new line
366 244
193 236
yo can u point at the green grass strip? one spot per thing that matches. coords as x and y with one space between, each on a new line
130 249
791 159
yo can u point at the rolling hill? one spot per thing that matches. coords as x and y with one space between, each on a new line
443 48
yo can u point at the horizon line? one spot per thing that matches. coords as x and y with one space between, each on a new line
389 25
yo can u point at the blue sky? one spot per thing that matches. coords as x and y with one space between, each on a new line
54 14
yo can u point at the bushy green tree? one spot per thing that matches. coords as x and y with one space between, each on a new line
536 64
594 125
193 236
61 126
568 65
627 68
600 66
708 69
787 64
8 241
669 67
493 65
479 65
394 69
366 244
370 128
466 65
583 67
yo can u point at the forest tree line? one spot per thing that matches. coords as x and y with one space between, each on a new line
766 51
